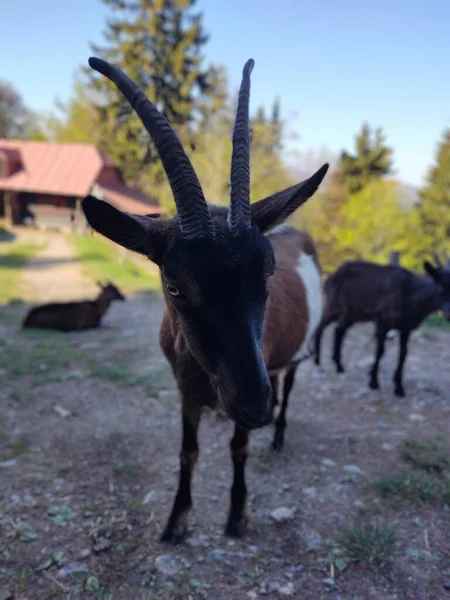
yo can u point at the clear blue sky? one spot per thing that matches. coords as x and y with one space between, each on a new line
334 63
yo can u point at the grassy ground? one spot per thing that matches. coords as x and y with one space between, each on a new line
89 441
437 320
103 260
13 257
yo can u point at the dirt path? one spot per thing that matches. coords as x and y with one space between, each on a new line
54 273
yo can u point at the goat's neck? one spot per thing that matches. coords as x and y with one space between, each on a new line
436 300
429 298
102 303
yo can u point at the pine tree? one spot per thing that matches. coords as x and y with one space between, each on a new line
434 206
16 119
277 125
373 160
158 43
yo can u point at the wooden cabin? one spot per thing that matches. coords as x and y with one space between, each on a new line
42 184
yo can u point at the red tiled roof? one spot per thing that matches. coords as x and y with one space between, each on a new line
68 170
48 168
129 199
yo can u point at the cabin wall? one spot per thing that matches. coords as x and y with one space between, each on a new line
109 175
47 211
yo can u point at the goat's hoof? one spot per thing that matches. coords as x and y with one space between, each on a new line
399 391
277 443
173 534
374 385
236 528
340 369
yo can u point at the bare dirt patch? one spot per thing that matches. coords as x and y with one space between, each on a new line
54 273
89 439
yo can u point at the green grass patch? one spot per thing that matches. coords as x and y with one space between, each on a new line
123 376
124 468
415 487
44 359
13 258
431 455
369 543
4 234
437 320
103 260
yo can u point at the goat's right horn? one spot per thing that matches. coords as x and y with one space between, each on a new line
192 209
239 212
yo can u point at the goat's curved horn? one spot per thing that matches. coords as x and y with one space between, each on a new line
193 212
239 211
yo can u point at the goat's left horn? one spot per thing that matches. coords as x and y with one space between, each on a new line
239 211
192 209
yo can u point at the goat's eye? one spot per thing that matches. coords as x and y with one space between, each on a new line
173 291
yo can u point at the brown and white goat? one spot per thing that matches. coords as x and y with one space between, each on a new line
73 316
239 304
389 295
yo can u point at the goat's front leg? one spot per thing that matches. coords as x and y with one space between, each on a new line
280 422
237 516
176 527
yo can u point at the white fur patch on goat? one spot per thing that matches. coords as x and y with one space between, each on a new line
278 229
309 273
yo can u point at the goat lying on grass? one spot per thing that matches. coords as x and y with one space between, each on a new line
240 305
73 316
389 295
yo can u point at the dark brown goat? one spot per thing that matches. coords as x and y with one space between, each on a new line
73 316
220 334
389 295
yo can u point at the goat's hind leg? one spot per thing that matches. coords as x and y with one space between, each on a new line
327 318
176 527
274 383
237 516
280 422
339 333
381 332
399 390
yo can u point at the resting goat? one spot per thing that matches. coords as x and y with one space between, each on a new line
222 332
73 316
389 295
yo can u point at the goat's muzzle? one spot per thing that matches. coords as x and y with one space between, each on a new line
249 411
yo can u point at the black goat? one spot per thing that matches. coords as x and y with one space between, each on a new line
389 295
73 316
243 296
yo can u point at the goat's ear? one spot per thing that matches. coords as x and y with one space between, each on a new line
273 210
432 271
138 233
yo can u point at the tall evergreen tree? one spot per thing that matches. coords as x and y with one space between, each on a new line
16 119
158 43
373 160
272 126
277 125
434 206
